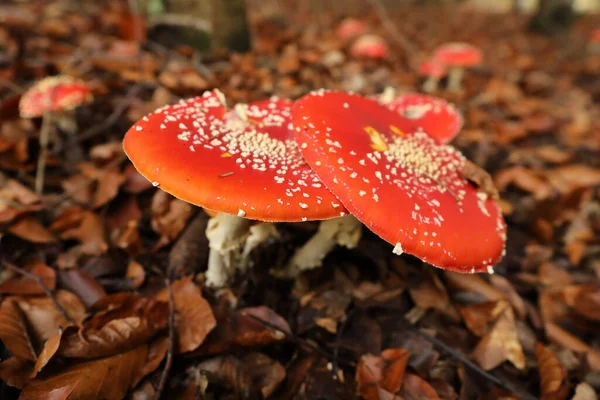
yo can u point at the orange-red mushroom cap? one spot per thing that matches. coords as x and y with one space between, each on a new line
54 94
458 54
435 116
242 161
369 46
404 186
432 68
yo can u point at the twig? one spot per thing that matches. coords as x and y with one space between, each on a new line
112 118
470 364
171 342
389 26
41 163
45 288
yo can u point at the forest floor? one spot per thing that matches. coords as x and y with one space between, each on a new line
123 308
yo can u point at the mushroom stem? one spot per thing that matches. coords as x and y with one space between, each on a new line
430 85
41 164
258 234
344 231
454 79
226 233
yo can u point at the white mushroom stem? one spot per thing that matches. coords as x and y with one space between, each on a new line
455 78
344 231
226 234
41 164
66 122
430 85
259 233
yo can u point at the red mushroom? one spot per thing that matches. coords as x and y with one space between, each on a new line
435 116
350 28
404 186
594 40
369 46
457 56
242 163
433 71
53 98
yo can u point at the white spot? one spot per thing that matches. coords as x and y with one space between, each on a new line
398 249
241 213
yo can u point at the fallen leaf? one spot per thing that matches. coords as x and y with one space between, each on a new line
82 284
416 388
553 383
156 354
28 228
48 351
15 371
478 317
169 216
106 378
584 391
194 315
266 373
13 331
22 285
369 373
84 226
227 371
500 344
561 337
393 371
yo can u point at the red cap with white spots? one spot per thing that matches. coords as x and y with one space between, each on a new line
435 116
369 46
403 186
458 55
243 161
432 68
54 94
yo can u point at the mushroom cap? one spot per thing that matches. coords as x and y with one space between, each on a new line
458 54
350 28
243 161
54 94
432 68
595 35
404 186
435 116
369 46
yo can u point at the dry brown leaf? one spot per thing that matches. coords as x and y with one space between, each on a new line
584 391
169 216
570 177
265 372
524 179
106 378
28 228
393 371
553 383
108 182
135 274
369 373
194 315
473 283
561 337
44 317
417 388
22 285
430 293
584 300
48 351
500 344
84 226
13 331
15 371
477 317
156 353
82 284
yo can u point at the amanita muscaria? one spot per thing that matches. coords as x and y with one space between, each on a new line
242 163
53 98
433 115
433 71
423 197
457 56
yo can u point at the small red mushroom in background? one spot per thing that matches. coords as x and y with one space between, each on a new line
54 99
404 186
369 46
433 71
350 28
456 57
242 163
594 40
433 115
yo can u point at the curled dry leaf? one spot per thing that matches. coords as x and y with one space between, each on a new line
240 328
430 293
13 331
265 372
106 378
477 317
584 391
169 216
15 371
553 382
28 228
48 351
22 285
500 344
584 300
415 388
84 226
385 372
561 337
369 373
393 371
156 354
473 284
195 318
82 284
135 274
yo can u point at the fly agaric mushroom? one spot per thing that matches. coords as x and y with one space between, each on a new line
433 71
369 46
457 56
350 28
404 186
594 40
54 99
242 163
435 116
